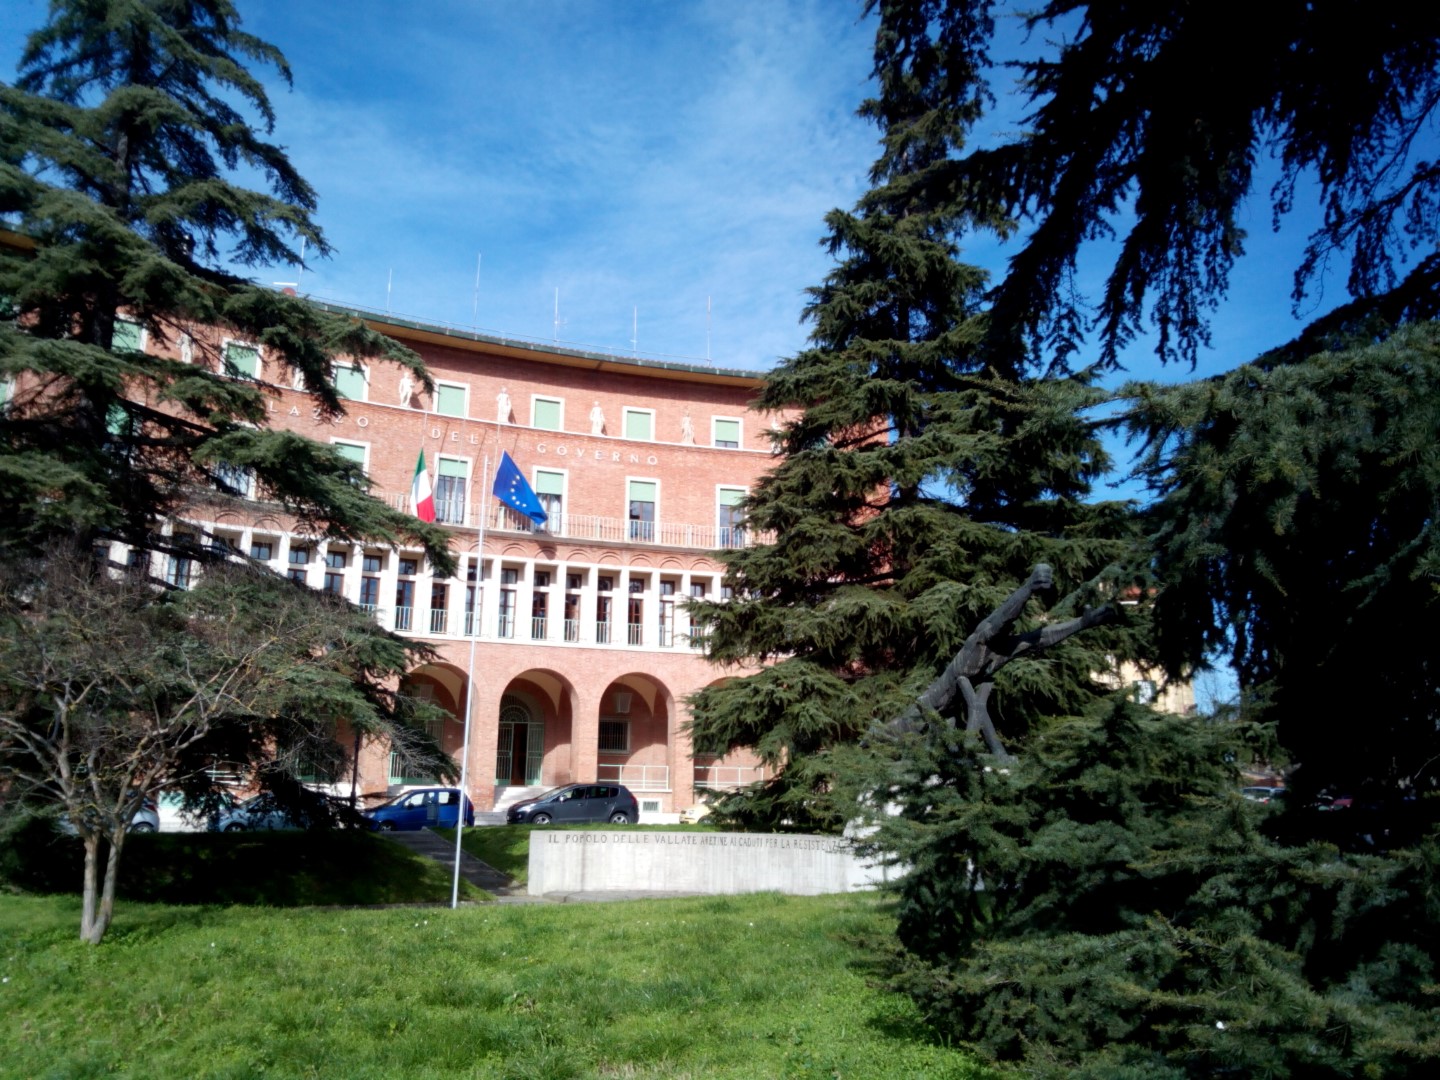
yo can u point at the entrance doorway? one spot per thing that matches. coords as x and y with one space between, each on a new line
521 751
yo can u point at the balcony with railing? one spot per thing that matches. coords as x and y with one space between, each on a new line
727 777
592 527
635 777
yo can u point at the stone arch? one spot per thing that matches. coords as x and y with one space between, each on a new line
536 723
446 686
635 743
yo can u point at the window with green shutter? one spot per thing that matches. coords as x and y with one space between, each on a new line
242 361
550 490
640 424
727 434
351 452
729 520
129 336
451 476
449 399
642 497
546 413
350 381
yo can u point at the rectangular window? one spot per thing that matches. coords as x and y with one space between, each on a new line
439 607
336 560
370 593
640 424
263 550
129 336
547 413
180 568
451 483
370 563
666 637
450 399
240 361
508 580
405 594
641 495
235 480
614 736
726 433
353 452
299 563
729 519
550 490
602 610
573 584
350 381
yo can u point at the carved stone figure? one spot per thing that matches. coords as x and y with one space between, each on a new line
597 420
406 390
985 652
502 406
687 430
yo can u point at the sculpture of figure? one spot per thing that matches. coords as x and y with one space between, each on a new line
972 672
502 406
406 390
687 430
597 420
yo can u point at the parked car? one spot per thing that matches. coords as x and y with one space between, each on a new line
1262 794
146 820
427 808
257 813
577 803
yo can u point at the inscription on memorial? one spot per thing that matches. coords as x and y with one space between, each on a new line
732 840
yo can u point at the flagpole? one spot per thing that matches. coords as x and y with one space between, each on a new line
474 630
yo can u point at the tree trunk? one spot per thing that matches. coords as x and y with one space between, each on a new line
107 894
89 890
97 901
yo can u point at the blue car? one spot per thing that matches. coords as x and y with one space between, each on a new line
426 808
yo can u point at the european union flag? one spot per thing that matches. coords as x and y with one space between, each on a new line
512 489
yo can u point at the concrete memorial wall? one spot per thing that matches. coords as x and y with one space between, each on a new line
644 860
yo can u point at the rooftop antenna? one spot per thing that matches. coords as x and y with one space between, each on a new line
475 307
557 314
635 331
389 281
707 329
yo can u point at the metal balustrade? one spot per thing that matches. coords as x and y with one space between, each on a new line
539 624
439 618
610 530
727 777
635 777
404 618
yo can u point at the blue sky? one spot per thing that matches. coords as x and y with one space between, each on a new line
645 158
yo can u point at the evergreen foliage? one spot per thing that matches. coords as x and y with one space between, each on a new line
118 146
917 485
1149 125
1109 906
1296 531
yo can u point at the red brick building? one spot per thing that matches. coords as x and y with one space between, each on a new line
583 654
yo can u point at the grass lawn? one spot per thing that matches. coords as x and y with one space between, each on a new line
284 869
753 986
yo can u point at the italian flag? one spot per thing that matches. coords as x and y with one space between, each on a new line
421 498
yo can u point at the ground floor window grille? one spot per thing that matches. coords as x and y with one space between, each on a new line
614 736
